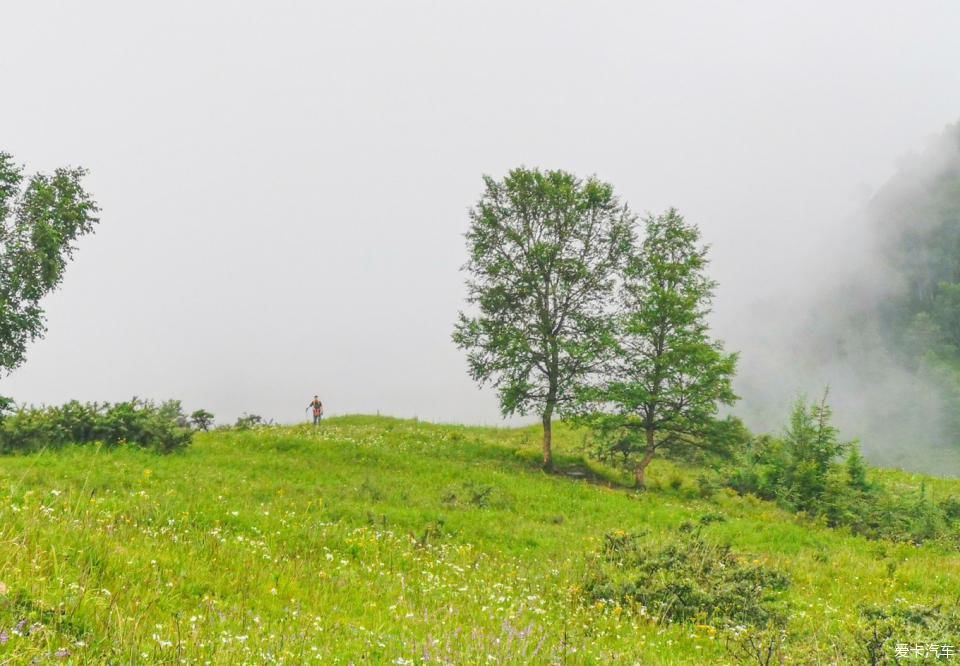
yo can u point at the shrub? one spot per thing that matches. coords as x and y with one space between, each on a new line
759 646
706 487
878 513
762 469
888 634
248 422
802 473
472 494
856 469
951 508
161 427
684 578
812 446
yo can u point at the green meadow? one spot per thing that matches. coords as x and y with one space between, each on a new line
382 541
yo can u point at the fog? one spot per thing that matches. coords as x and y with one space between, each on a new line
284 185
834 328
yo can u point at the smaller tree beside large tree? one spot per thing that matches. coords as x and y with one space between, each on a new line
545 252
669 377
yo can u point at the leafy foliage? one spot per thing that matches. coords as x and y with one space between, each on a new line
248 421
757 646
803 473
796 469
161 427
470 494
888 634
545 249
40 220
201 419
668 378
684 578
811 447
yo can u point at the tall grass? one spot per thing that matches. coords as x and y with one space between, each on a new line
384 541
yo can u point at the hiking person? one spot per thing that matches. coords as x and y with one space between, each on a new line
317 407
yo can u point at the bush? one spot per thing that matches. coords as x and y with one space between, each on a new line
759 646
706 487
475 495
844 498
249 422
812 447
857 469
803 473
161 427
762 470
684 578
888 635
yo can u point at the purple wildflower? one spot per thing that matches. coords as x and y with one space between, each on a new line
62 653
4 637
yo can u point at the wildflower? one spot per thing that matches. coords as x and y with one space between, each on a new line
4 637
62 653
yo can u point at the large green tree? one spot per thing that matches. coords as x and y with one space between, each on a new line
41 217
669 378
545 249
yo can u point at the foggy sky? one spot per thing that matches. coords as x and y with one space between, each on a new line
284 185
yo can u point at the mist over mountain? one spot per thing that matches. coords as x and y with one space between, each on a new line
876 319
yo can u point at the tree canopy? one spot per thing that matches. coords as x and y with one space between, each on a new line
41 217
669 377
545 252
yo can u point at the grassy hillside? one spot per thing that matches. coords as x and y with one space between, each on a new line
372 540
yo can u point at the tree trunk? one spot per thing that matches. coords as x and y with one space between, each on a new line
640 473
548 439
